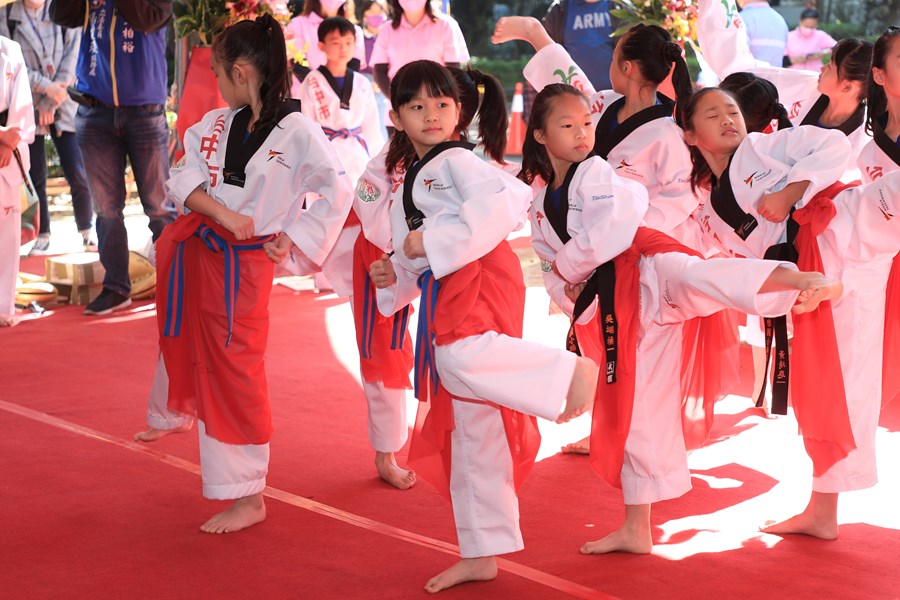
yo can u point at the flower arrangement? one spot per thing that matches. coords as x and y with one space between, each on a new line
678 17
207 18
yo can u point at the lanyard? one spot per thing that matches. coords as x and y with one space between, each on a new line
36 30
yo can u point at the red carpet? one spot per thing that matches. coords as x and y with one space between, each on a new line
84 512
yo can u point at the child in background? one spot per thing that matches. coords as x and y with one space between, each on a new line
449 235
635 296
303 30
16 133
248 172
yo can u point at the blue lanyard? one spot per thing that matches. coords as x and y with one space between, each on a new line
36 30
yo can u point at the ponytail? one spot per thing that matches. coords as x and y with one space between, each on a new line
261 44
493 116
758 101
877 98
535 160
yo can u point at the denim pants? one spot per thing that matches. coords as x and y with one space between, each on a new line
73 168
107 136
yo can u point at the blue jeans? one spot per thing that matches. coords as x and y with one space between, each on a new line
73 168
107 136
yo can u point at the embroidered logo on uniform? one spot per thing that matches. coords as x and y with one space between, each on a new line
667 296
756 177
180 162
436 185
597 107
367 192
539 216
273 154
874 172
546 266
567 78
428 183
623 163
795 109
884 207
601 197
749 180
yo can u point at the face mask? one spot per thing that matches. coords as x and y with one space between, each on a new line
374 21
412 5
332 6
806 31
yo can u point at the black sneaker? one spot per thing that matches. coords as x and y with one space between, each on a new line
108 301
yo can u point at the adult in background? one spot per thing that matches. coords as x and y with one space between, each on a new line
121 116
807 45
766 30
583 28
50 52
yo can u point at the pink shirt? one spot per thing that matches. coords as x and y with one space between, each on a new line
440 40
801 45
304 30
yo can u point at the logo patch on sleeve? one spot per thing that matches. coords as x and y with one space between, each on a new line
367 191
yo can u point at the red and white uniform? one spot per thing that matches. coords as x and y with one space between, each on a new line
723 38
604 212
653 154
224 383
857 247
15 100
470 207
303 32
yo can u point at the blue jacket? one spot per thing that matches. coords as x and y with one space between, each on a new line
122 61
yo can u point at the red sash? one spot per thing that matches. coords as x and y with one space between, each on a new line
223 385
485 295
890 368
705 378
817 383
385 347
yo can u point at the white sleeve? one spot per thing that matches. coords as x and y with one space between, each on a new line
867 225
405 290
21 104
612 210
494 204
307 101
191 171
372 201
371 125
552 64
672 201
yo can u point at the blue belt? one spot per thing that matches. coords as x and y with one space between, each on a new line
216 243
370 308
344 134
424 338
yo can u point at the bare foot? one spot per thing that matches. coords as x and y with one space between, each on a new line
8 321
820 288
387 468
153 434
514 28
805 524
245 512
622 540
467 569
579 447
582 390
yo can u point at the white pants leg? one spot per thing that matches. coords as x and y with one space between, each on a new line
388 429
485 506
231 471
10 240
524 376
158 414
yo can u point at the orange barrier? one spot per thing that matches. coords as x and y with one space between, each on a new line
516 133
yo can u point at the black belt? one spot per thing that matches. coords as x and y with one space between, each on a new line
601 285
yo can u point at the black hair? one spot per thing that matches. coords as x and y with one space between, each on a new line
535 160
652 49
406 85
877 99
260 43
482 94
397 12
809 13
701 173
346 10
853 60
758 100
339 24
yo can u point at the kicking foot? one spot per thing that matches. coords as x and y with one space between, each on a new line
804 524
153 434
820 288
245 512
582 390
580 447
387 468
467 569
633 542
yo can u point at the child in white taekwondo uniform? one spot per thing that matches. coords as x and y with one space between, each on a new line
16 132
637 127
247 170
303 33
833 98
449 235
636 296
879 157
845 231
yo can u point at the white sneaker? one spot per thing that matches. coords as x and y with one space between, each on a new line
41 245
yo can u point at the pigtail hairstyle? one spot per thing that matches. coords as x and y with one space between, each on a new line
397 12
420 75
853 60
260 43
482 95
877 99
535 160
701 173
652 48
758 100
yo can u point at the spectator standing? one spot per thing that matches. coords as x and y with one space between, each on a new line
807 44
767 31
584 29
50 52
122 88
